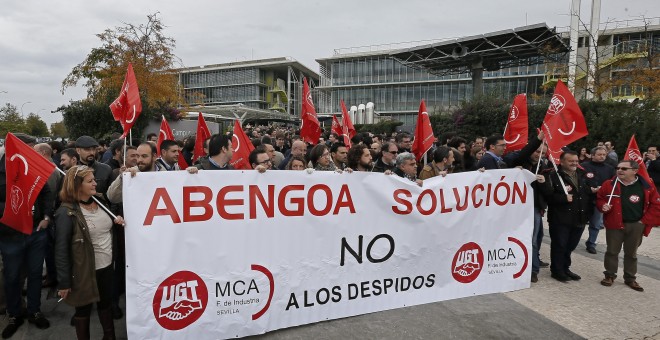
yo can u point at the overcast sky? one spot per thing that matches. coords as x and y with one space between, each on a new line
41 41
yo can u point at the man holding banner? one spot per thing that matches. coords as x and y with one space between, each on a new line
631 206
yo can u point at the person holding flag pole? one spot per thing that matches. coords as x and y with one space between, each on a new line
631 207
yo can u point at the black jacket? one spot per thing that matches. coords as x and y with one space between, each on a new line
597 173
380 166
560 211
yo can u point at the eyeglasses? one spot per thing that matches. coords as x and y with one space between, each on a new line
265 161
500 145
393 152
623 168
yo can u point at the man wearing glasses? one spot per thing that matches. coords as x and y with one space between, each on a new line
260 160
387 159
631 206
492 159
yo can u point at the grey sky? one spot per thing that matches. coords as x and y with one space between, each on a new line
40 41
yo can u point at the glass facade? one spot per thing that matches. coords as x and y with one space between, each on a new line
261 84
396 90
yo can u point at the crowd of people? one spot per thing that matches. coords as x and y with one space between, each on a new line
82 244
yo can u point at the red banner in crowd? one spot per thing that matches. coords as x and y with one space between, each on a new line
516 130
27 172
564 122
310 128
166 133
423 133
203 133
241 146
127 107
633 154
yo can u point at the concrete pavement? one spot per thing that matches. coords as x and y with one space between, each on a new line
548 310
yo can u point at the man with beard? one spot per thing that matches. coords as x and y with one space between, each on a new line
68 158
387 158
339 155
405 142
597 172
86 149
359 158
116 150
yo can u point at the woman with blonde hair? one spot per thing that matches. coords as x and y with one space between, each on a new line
83 251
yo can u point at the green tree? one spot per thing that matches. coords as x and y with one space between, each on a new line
103 71
86 117
35 126
58 130
10 120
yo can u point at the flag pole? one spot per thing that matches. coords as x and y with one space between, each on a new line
609 200
124 150
538 165
130 138
94 197
563 185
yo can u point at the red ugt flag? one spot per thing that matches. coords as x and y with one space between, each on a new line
336 127
423 133
27 173
310 129
564 122
203 133
633 154
242 146
516 131
166 133
346 121
127 107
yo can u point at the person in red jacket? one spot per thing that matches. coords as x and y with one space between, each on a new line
631 207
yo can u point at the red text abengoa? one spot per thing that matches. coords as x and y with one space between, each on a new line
231 200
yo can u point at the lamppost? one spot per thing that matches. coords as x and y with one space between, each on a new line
22 116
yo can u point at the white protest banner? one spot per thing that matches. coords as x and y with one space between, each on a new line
224 254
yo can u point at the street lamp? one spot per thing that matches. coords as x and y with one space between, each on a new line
22 116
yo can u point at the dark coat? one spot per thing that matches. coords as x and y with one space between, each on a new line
489 162
74 256
560 211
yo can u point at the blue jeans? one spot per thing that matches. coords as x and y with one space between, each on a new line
595 225
23 252
537 238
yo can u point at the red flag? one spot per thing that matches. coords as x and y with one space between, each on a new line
515 132
166 133
633 154
242 146
27 172
203 133
336 127
310 129
346 121
423 133
564 122
127 107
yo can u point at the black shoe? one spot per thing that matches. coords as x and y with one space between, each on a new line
573 276
560 277
12 327
535 277
592 250
543 264
116 312
39 320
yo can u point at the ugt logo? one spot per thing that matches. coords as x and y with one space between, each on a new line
180 300
467 263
